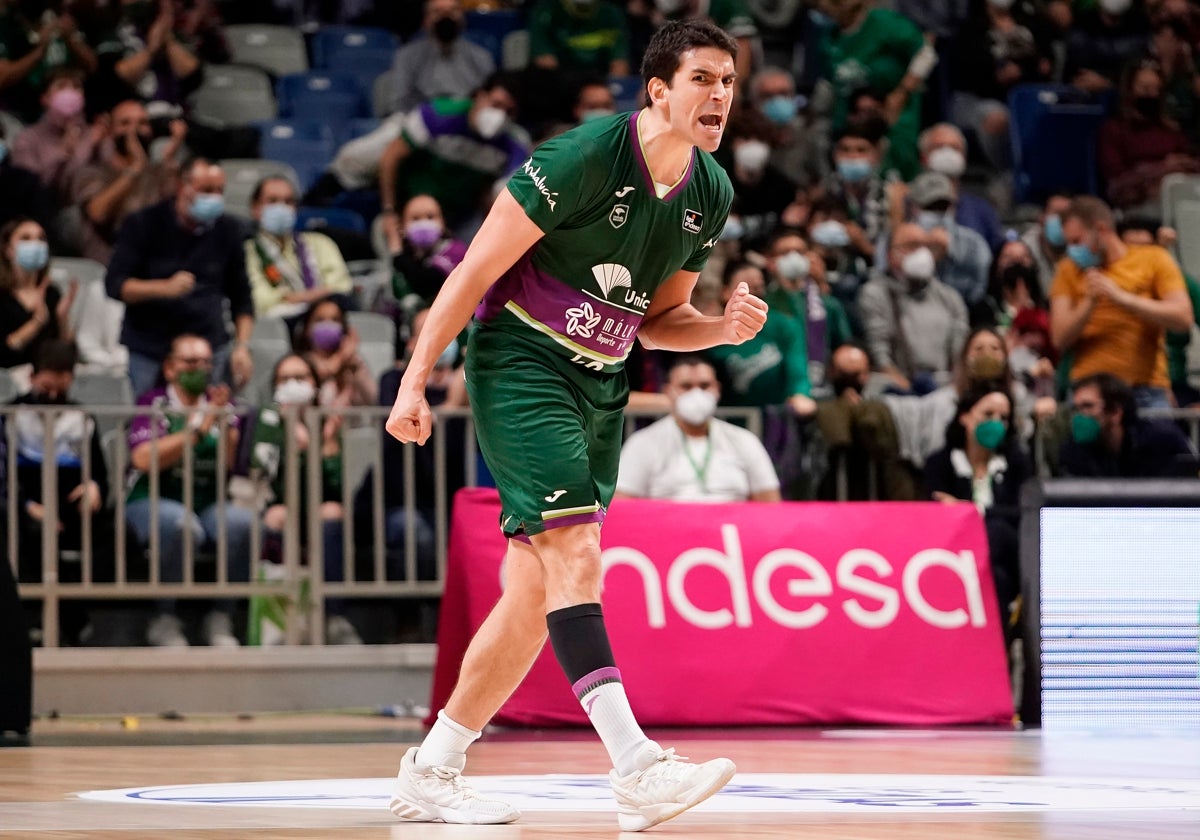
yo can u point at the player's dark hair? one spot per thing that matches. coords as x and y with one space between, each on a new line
676 37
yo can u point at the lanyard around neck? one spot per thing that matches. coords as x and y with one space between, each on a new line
700 469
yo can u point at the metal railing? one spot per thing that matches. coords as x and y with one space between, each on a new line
302 545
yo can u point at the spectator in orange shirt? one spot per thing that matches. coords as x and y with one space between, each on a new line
1111 303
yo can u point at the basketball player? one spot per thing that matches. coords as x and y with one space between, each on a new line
598 239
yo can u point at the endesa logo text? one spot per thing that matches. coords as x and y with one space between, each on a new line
863 584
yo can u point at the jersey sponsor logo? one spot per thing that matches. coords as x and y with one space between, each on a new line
624 191
611 275
539 181
693 220
619 214
553 497
582 320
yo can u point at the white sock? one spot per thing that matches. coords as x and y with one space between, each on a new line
446 744
628 747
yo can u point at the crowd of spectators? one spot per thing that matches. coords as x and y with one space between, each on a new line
926 329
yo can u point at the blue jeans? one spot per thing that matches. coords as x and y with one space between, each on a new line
145 372
396 525
173 517
1150 396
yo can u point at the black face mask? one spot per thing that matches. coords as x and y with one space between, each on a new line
446 29
846 382
1018 272
1147 106
122 144
46 399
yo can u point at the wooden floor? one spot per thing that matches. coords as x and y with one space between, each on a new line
39 785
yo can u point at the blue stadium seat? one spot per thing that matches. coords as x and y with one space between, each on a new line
316 218
489 41
305 145
330 42
497 22
626 90
1053 130
354 129
323 95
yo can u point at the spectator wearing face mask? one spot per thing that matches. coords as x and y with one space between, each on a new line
982 463
331 347
191 407
770 369
881 50
760 191
442 63
944 150
858 183
1045 239
289 270
1109 440
295 387
691 456
1102 40
74 434
455 150
963 257
1111 303
998 48
1013 287
176 266
915 325
424 252
32 310
845 270
799 290
1141 144
123 180
801 148
60 143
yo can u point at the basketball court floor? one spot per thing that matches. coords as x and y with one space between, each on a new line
329 777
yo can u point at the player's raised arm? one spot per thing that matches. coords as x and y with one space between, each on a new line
506 234
672 323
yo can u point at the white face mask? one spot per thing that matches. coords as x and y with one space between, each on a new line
295 392
949 162
919 265
752 155
489 121
792 266
696 406
1115 7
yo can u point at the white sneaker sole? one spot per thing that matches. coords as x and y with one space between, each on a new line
651 815
427 812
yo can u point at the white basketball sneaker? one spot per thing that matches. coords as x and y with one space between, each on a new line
666 789
425 794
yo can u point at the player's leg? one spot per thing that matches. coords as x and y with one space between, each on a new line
429 785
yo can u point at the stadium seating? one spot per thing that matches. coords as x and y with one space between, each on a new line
1181 210
277 49
331 44
305 145
514 50
315 218
233 94
377 340
1053 130
324 95
625 90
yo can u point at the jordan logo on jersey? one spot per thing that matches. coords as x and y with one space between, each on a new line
619 214
692 221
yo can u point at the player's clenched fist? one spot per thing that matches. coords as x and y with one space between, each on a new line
411 419
745 315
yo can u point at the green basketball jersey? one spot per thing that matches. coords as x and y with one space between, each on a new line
609 242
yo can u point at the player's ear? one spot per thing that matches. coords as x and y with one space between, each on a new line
657 88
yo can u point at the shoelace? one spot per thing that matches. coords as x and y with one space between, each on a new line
453 777
675 763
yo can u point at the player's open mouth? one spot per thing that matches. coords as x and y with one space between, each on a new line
712 122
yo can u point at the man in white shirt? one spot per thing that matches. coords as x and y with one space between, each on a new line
690 456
